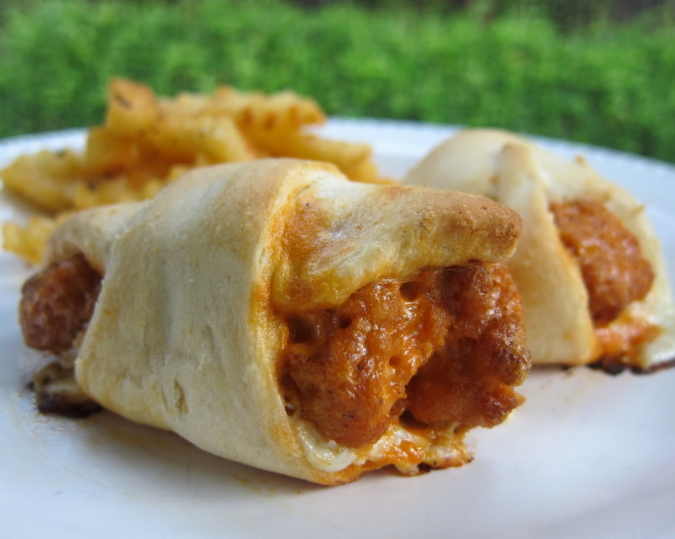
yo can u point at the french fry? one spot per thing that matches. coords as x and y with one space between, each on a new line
346 155
107 153
366 171
28 242
46 179
281 112
132 108
146 142
181 140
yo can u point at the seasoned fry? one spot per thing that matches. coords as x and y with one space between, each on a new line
47 179
29 242
132 108
343 154
282 112
146 142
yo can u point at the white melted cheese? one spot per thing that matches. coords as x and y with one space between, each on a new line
391 440
325 455
329 456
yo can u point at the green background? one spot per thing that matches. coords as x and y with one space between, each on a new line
601 76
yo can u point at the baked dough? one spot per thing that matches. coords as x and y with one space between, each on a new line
559 325
191 327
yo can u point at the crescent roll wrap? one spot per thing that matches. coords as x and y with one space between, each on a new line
588 265
278 315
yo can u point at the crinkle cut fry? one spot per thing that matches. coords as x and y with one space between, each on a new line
146 142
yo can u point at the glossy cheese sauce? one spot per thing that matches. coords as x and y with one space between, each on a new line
614 271
442 348
609 256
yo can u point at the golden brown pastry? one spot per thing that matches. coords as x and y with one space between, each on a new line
278 315
588 265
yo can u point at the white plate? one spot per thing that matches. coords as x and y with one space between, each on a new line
587 455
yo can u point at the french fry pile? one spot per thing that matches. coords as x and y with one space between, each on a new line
147 142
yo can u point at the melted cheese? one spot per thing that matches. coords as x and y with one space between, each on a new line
402 447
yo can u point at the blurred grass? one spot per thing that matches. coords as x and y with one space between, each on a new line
606 84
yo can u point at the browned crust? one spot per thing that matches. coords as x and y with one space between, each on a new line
616 367
389 231
57 392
